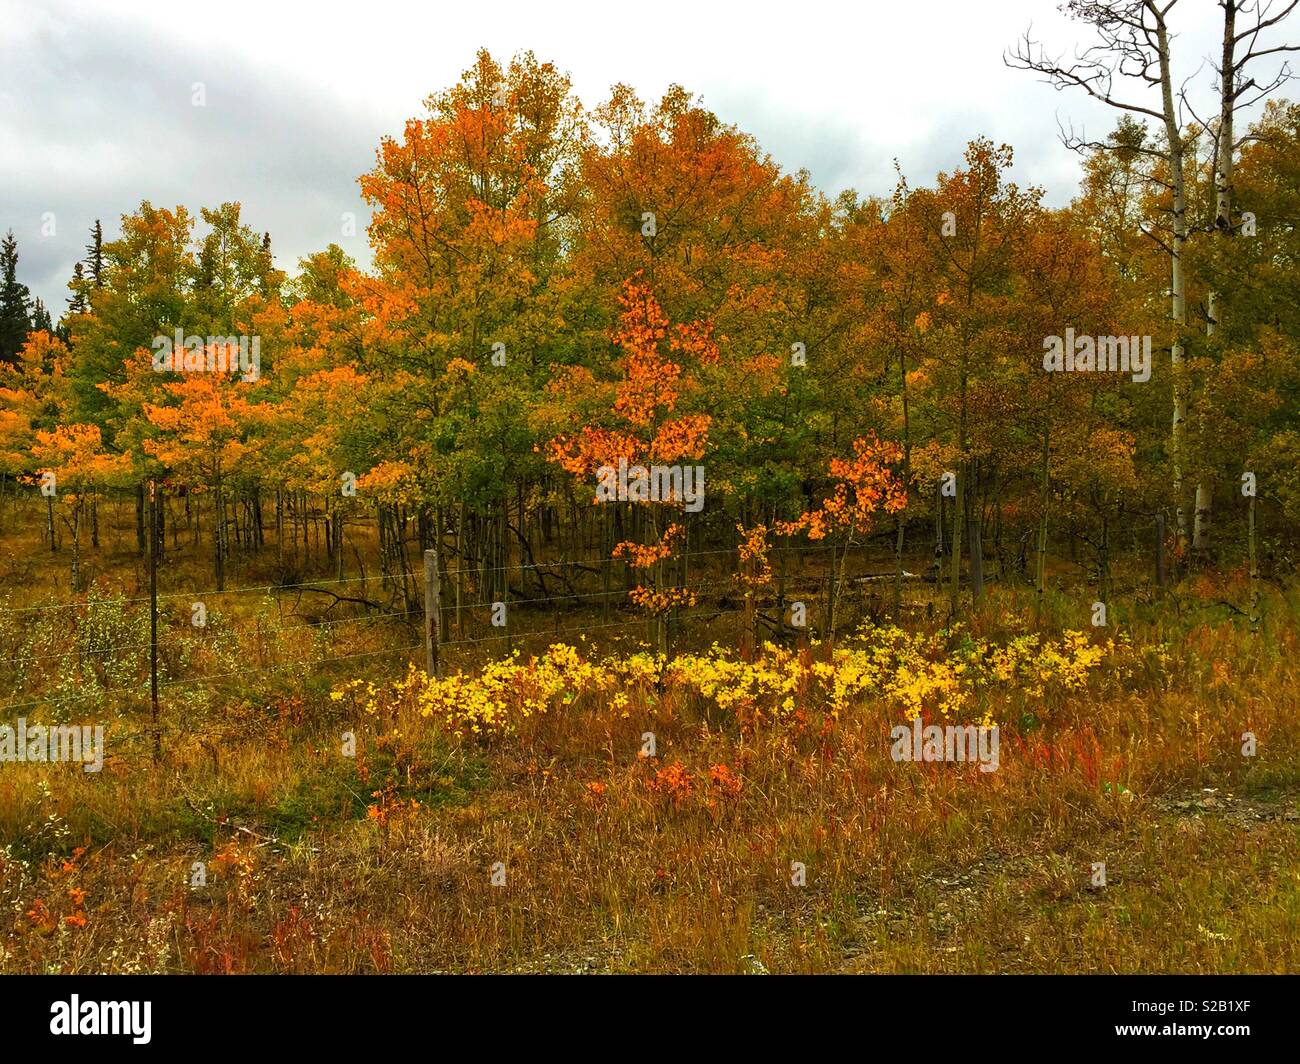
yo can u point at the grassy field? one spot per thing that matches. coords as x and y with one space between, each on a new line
506 818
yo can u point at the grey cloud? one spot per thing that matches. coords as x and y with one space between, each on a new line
98 117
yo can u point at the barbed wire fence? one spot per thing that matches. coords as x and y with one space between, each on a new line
497 626
443 633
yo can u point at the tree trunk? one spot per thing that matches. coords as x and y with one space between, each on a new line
1254 567
830 597
218 535
900 532
1161 577
76 545
1177 286
1223 171
976 555
958 509
139 518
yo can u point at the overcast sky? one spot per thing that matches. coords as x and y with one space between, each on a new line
96 113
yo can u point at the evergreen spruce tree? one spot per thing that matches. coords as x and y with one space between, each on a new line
41 317
15 302
95 254
77 301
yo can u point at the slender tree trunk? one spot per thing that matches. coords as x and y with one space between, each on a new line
607 564
780 594
901 520
139 518
954 571
1160 554
460 569
830 596
504 554
1223 189
751 619
338 543
939 506
1254 566
1044 497
1103 576
76 545
976 554
975 535
1177 286
218 535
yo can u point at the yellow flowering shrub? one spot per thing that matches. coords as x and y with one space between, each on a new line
502 693
640 669
909 673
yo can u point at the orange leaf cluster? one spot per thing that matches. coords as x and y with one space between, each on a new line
657 602
646 396
725 781
642 556
674 782
756 569
866 485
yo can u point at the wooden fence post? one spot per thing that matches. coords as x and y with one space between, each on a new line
153 618
432 614
1254 567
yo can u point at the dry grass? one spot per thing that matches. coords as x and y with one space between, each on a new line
317 862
